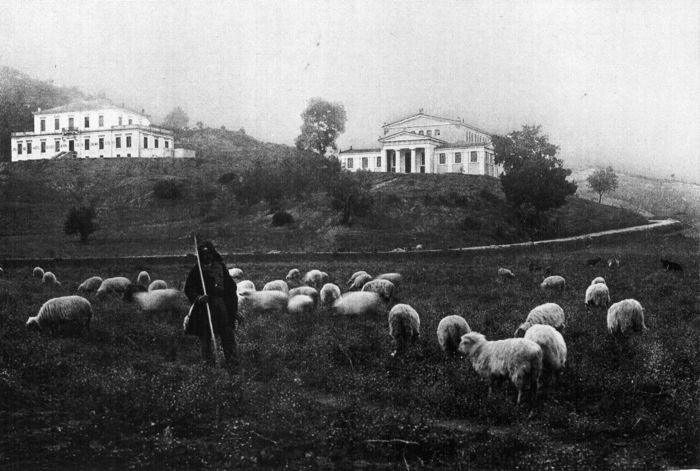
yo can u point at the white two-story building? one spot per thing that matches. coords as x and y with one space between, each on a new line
92 129
427 144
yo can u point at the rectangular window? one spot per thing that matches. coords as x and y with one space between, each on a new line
145 142
87 122
155 143
473 156
420 132
102 143
57 145
29 147
437 132
120 121
55 124
428 132
365 162
101 121
458 157
350 164
43 147
128 141
71 123
118 142
19 148
379 161
442 160
128 155
42 124
87 144
167 144
131 121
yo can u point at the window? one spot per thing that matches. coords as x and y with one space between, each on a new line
71 123
473 156
128 155
118 155
43 147
379 161
145 142
55 124
128 141
441 158
420 132
29 147
167 144
437 132
102 143
19 148
57 146
118 142
458 157
120 121
350 164
42 124
101 121
87 144
156 143
87 122
131 121
428 132
365 162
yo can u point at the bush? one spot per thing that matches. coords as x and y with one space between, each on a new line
166 189
281 218
80 221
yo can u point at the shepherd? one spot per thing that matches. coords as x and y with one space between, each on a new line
212 292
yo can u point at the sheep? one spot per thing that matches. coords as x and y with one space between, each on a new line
450 331
598 279
548 313
169 300
404 327
293 277
56 314
384 288
38 272
90 285
116 285
597 295
515 359
359 282
236 274
301 304
395 278
50 279
329 293
505 273
306 290
359 303
143 279
625 315
553 348
277 285
355 275
157 284
553 282
245 284
258 302
315 278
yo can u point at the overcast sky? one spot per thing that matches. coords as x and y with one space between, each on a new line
611 82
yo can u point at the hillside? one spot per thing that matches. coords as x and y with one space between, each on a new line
437 211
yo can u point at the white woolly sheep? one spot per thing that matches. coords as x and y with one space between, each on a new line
597 295
450 331
329 293
60 314
143 279
276 285
307 290
383 288
90 285
359 282
259 302
626 315
315 278
168 301
553 282
38 272
395 278
157 284
293 277
115 285
598 279
553 348
519 360
547 313
236 274
301 304
505 273
404 326
50 279
245 284
359 303
355 275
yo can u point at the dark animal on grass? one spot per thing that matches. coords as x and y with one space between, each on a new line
594 261
671 266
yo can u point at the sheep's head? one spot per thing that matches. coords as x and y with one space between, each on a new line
522 328
293 275
469 341
33 323
131 290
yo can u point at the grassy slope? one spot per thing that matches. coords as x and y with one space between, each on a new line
318 392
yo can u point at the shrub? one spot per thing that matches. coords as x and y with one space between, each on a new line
166 189
80 221
281 218
470 224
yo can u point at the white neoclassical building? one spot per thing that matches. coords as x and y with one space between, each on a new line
423 143
92 129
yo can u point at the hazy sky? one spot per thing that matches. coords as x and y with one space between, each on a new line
611 82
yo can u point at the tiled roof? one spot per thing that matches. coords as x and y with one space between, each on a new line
87 105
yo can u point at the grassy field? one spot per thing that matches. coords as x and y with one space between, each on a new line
324 393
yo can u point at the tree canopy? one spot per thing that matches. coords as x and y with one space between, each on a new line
602 181
80 221
176 120
323 122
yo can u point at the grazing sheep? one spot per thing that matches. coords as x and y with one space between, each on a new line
258 302
315 278
306 290
548 314
169 300
157 284
359 282
355 275
383 288
450 331
276 285
50 279
597 295
90 285
293 277
671 266
116 285
553 282
404 326
245 284
398 250
301 304
419 247
236 274
57 314
143 279
359 303
625 315
38 272
515 359
395 278
598 279
329 293
553 348
505 273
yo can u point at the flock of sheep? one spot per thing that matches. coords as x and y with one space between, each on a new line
537 352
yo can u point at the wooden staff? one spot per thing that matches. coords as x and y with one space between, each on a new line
204 290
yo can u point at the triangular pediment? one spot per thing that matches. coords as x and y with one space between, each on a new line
403 136
421 119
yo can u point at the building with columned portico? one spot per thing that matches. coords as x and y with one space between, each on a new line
422 143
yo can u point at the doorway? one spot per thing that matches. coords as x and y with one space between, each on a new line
71 145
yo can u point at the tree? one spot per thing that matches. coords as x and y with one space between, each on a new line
534 180
602 181
176 120
80 221
323 122
350 193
